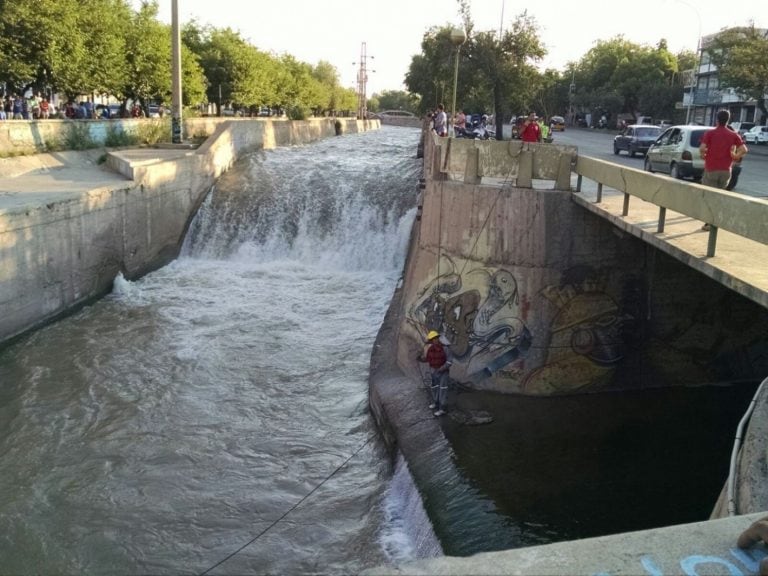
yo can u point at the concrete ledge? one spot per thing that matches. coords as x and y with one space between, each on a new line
694 549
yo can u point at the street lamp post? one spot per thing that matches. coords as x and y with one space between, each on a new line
458 37
695 75
176 130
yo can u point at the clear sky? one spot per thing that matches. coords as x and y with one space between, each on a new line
335 30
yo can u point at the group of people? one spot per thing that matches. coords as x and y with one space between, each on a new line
534 129
32 107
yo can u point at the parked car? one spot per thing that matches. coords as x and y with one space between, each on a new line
676 152
757 135
635 138
742 127
557 123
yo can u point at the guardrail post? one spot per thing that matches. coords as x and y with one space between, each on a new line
662 218
525 170
578 183
625 210
471 170
599 192
712 242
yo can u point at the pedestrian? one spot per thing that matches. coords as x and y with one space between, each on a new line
18 107
720 148
439 358
45 108
461 121
544 129
441 121
531 131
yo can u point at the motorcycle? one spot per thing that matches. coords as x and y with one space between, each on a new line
476 128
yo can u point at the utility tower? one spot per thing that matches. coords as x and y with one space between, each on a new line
362 81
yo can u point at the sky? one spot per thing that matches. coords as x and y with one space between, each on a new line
389 32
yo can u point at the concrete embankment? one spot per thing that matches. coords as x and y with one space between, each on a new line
537 297
69 225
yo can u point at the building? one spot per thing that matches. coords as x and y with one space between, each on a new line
704 95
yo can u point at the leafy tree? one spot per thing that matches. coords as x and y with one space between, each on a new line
504 67
741 57
431 71
620 76
148 57
396 100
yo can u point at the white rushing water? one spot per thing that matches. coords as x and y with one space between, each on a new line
212 416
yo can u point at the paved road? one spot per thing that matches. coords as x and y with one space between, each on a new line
599 144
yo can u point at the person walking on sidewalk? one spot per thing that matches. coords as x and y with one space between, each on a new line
439 358
720 148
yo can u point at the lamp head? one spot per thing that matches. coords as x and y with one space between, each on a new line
458 36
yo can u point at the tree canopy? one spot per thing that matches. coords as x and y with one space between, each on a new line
105 48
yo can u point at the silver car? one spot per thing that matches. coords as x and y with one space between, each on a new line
676 152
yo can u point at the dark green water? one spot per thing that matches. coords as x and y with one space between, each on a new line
581 466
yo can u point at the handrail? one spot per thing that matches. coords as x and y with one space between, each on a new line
736 447
742 215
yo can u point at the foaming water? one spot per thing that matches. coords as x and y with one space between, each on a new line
213 415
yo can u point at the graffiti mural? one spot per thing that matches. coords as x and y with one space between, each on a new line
478 313
585 337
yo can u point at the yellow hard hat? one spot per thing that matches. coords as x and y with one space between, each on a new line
433 334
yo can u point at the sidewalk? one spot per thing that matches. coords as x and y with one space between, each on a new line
40 179
738 263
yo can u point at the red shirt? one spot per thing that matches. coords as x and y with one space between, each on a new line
531 132
719 143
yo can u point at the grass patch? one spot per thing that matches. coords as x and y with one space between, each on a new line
116 138
78 137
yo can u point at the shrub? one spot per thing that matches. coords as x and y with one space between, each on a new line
298 112
78 137
117 137
154 131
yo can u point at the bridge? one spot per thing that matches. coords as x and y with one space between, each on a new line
663 212
512 241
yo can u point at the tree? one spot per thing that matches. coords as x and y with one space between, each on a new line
504 67
396 100
148 57
741 57
620 76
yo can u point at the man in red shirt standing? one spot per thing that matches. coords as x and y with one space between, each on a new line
531 129
720 148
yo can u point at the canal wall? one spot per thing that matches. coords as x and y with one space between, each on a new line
58 252
538 296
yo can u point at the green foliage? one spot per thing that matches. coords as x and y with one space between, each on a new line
154 131
116 138
395 100
78 137
621 76
297 112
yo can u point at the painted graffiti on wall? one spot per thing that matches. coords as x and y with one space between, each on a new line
478 312
585 340
743 563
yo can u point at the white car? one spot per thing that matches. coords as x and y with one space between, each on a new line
757 135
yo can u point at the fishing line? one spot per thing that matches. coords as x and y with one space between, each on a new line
291 509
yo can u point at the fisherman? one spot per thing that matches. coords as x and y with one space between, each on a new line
439 358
